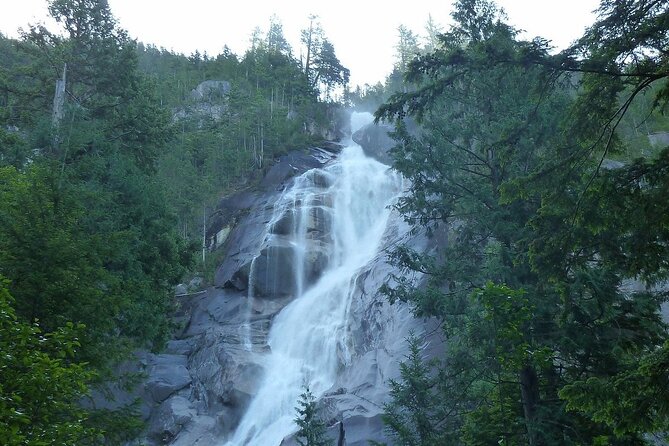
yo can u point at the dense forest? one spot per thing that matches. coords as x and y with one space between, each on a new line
109 156
546 172
539 169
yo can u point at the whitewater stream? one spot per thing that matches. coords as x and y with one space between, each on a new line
308 340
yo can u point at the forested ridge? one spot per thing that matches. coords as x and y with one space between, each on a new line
109 155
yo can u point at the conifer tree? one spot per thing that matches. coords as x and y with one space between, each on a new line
530 288
312 429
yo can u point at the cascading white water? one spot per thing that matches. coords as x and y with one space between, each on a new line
308 338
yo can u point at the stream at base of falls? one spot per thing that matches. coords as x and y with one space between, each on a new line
308 340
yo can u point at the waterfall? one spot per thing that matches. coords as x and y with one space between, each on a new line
328 226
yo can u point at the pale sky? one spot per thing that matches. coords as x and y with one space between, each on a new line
364 32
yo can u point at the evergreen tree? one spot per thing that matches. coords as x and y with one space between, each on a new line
432 32
406 49
41 383
312 429
321 65
312 39
530 286
276 41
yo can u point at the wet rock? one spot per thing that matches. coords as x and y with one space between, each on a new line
245 240
331 146
240 278
317 259
289 165
225 338
319 223
274 272
285 225
325 199
321 179
243 244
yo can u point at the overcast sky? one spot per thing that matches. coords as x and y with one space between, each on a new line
363 32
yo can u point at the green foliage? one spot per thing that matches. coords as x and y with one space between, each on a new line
321 66
87 237
272 107
100 203
628 401
312 430
406 48
415 412
532 287
41 383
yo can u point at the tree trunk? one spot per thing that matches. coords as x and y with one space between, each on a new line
58 107
529 390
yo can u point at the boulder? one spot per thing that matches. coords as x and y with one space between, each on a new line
195 283
203 430
225 374
170 418
361 430
375 141
166 375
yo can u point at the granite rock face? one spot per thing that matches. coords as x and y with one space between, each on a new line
167 375
209 101
211 91
197 392
376 142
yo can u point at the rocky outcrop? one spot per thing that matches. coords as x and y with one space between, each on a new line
197 392
250 212
167 375
211 91
170 418
659 139
209 101
375 140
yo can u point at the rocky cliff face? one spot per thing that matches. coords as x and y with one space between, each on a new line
197 392
375 140
209 101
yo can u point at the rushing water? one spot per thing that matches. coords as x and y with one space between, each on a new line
308 338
